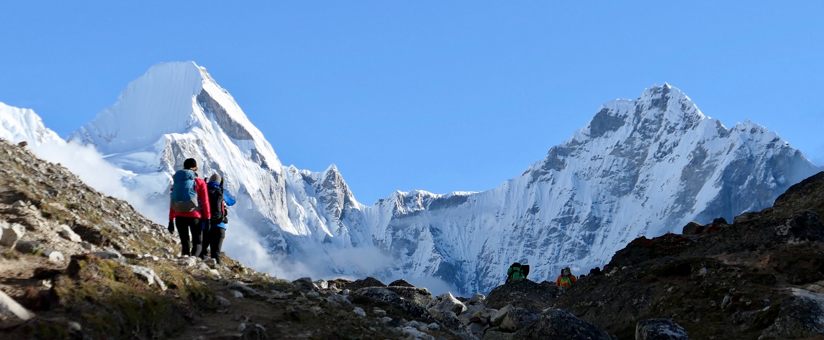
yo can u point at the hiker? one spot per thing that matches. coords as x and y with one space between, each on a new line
566 279
216 230
189 207
517 272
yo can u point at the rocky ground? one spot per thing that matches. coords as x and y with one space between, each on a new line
79 265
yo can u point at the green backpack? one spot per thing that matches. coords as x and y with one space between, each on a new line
516 272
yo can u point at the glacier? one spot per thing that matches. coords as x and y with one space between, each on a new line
644 166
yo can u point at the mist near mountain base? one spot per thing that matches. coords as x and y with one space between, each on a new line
93 169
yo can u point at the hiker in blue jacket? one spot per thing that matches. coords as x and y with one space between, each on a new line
217 224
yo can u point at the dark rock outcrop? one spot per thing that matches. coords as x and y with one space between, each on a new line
364 283
401 283
759 276
525 294
659 329
559 324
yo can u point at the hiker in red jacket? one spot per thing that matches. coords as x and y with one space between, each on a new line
189 207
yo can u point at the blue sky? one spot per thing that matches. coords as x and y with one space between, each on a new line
437 95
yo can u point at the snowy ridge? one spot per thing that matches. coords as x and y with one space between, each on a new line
19 124
640 167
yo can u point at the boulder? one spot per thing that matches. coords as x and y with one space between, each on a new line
476 299
322 284
222 301
525 294
498 316
447 303
692 228
477 330
110 254
10 234
446 308
28 247
254 332
305 284
67 233
642 249
475 313
401 283
378 312
338 300
559 324
55 256
11 312
389 300
412 332
212 263
364 283
148 275
359 312
659 329
518 318
800 316
246 290
187 261
419 296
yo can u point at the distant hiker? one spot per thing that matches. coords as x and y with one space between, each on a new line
566 279
216 229
517 272
189 207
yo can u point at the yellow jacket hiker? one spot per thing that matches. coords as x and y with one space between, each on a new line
566 279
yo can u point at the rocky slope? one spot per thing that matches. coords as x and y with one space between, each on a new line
640 167
77 264
759 277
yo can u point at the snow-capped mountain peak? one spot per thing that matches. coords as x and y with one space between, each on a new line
20 124
174 98
658 107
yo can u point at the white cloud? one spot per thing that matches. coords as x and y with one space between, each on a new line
90 166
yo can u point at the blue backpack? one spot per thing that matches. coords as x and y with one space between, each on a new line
184 196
